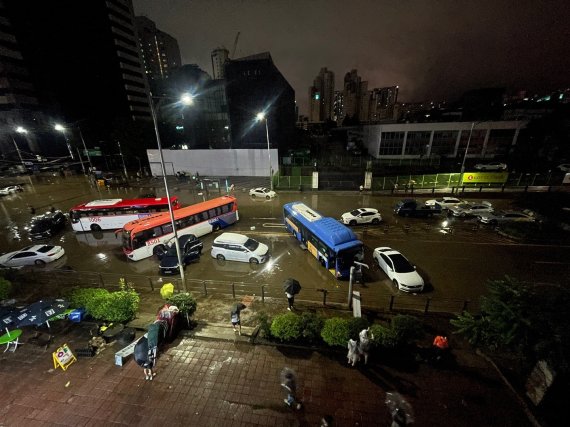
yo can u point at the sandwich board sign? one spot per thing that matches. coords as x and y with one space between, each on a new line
63 357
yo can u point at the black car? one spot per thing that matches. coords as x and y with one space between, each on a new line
46 225
191 248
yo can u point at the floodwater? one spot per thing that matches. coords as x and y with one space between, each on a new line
454 264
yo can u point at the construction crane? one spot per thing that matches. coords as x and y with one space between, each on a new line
235 45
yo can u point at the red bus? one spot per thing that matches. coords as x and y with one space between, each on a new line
112 214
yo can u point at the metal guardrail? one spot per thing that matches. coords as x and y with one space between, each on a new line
49 281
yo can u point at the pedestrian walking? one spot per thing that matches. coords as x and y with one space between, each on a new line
352 355
235 316
364 338
289 383
32 209
290 301
291 288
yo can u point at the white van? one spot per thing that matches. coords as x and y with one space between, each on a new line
237 247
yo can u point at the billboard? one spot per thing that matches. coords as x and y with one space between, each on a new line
485 177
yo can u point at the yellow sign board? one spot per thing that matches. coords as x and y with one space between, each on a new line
485 177
63 357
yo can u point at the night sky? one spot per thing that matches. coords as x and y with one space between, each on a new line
433 49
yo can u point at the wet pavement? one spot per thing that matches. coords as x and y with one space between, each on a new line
212 377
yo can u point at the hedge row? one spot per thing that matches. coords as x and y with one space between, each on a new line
336 331
119 306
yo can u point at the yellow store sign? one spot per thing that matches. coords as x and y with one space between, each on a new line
485 177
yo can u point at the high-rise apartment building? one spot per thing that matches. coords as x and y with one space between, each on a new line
159 50
353 92
219 58
338 106
381 104
321 97
85 65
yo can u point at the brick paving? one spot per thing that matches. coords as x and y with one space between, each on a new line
230 382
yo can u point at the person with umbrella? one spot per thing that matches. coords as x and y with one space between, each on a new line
289 383
291 287
235 314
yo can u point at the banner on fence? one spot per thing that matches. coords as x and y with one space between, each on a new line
485 177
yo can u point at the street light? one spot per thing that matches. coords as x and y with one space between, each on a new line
467 149
19 129
261 116
186 99
61 128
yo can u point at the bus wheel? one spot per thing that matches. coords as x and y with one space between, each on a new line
253 260
216 227
220 257
159 251
95 227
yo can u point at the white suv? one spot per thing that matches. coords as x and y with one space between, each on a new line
237 247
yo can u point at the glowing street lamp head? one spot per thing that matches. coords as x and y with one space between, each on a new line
260 116
59 127
20 129
187 99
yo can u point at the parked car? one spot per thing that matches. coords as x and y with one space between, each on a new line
493 166
445 202
465 210
501 217
361 216
10 190
30 255
190 248
47 225
262 192
398 269
237 247
410 207
564 167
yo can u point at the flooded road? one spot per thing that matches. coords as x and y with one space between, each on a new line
456 265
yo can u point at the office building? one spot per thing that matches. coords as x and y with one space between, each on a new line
449 140
382 102
85 66
159 50
338 106
253 85
219 58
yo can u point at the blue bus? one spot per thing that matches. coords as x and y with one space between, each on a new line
334 245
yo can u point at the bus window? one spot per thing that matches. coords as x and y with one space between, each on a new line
203 216
167 228
212 213
156 232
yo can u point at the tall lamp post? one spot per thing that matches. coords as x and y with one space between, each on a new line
261 116
473 124
19 129
186 99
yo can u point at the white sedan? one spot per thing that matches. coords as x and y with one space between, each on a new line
398 269
10 190
445 202
493 166
361 216
465 210
262 192
30 255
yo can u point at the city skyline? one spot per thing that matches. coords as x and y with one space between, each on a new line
435 51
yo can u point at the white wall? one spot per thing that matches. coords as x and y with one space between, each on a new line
224 162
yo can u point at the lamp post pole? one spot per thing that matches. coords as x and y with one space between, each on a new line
86 150
123 160
465 155
17 150
268 155
176 242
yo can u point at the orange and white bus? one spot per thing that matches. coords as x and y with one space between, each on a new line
112 214
145 237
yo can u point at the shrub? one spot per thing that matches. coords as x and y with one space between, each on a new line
5 288
401 331
312 326
336 331
264 324
185 302
287 327
119 306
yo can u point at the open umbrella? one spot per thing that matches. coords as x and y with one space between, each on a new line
40 312
237 307
291 286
